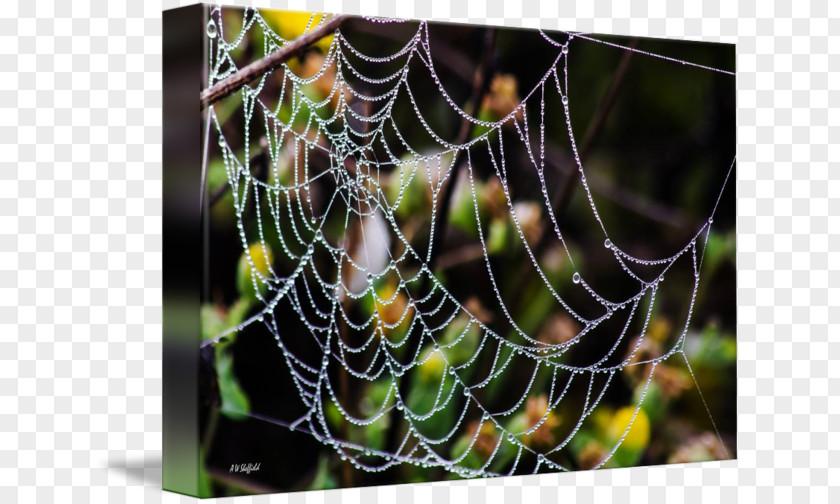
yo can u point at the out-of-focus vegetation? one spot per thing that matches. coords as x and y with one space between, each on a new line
655 170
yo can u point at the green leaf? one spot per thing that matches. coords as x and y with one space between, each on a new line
238 311
212 321
324 479
499 236
235 404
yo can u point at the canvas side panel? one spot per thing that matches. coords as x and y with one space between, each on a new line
182 271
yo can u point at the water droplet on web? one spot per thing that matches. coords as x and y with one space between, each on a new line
211 29
662 278
310 249
222 142
608 243
466 391
576 277
393 264
437 347
452 371
400 405
566 49
319 235
510 438
370 277
565 100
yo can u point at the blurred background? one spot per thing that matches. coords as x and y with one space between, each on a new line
656 139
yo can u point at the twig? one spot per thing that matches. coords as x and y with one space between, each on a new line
564 193
259 159
638 203
561 199
262 66
465 254
481 83
594 128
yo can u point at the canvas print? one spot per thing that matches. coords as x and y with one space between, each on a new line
434 251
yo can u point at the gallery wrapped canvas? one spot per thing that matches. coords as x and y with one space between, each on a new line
399 251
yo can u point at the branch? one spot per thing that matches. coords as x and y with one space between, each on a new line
465 254
260 67
481 83
595 126
260 160
564 194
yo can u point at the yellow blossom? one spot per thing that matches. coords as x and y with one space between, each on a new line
639 434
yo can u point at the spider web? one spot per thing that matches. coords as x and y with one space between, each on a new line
359 129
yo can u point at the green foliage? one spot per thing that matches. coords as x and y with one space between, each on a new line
212 321
406 190
715 350
376 395
235 404
719 249
462 213
324 479
205 488
500 236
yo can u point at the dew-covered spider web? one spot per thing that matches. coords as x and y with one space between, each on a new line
339 172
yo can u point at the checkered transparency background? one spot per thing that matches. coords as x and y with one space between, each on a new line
80 252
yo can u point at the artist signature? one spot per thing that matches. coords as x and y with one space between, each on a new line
245 468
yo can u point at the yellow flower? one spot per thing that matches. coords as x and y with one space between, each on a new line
639 434
503 96
432 368
487 438
393 311
262 258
